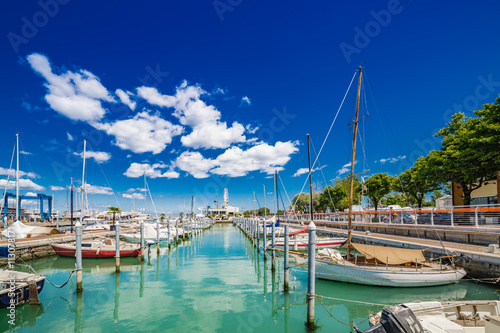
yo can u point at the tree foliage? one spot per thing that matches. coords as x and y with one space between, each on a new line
416 181
114 210
301 202
257 211
379 185
469 154
394 199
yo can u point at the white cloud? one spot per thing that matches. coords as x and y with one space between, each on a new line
31 194
346 168
136 196
143 133
195 164
98 156
25 152
24 184
94 189
70 137
12 173
207 129
136 170
391 159
125 98
57 188
76 95
302 171
218 91
245 100
251 130
235 162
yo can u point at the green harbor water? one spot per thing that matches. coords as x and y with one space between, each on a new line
216 282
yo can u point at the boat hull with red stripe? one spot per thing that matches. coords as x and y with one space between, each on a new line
302 244
97 249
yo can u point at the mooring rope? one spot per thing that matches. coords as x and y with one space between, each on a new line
320 298
46 278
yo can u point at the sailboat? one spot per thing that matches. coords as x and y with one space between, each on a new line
381 265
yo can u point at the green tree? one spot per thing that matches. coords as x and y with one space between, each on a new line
336 196
394 199
331 198
301 202
435 195
469 155
379 185
162 217
416 181
114 210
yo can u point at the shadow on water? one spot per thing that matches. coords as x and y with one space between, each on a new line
216 282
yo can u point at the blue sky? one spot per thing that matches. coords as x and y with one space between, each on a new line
203 95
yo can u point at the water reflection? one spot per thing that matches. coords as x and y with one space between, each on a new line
221 284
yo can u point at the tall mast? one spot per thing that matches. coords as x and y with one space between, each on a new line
254 211
310 180
265 206
276 186
17 177
71 205
83 182
146 197
351 189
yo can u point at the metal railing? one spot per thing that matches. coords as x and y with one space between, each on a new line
467 216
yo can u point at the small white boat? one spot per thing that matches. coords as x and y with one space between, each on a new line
102 248
92 224
149 235
438 317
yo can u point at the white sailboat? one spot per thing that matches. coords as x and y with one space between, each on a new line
379 265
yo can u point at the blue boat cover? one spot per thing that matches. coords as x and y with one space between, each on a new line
4 251
276 225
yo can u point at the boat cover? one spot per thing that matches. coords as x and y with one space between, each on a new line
19 229
389 255
301 231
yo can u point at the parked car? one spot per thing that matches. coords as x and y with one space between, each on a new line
396 217
439 218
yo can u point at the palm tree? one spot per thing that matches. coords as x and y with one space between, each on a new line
114 210
162 217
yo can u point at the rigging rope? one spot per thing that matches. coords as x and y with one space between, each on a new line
326 137
321 169
8 175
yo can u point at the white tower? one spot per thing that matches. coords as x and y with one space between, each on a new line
226 199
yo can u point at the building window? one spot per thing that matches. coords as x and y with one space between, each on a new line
484 200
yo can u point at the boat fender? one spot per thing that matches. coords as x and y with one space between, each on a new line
98 250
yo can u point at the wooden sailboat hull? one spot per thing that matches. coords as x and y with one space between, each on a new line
404 277
69 251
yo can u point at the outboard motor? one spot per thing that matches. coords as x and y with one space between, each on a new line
395 319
